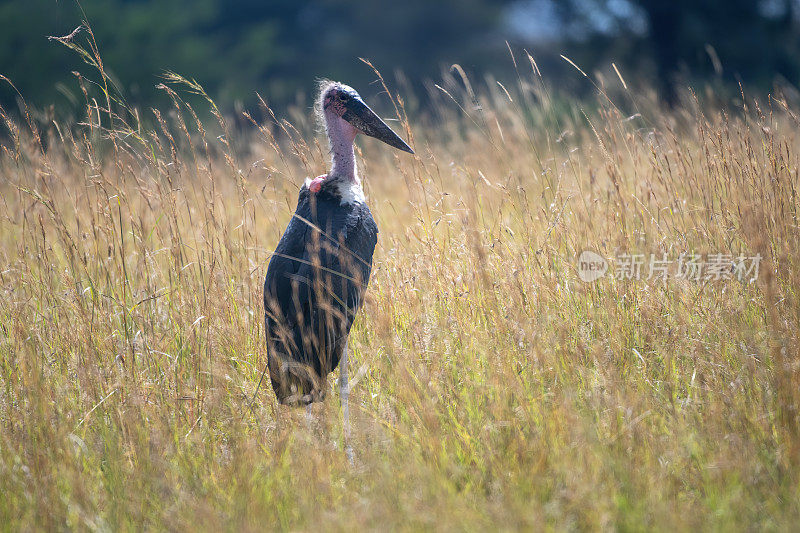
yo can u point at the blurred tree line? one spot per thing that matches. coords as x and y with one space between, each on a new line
237 47
680 41
279 47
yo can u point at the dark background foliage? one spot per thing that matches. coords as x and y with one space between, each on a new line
280 47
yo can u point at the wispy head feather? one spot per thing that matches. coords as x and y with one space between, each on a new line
323 84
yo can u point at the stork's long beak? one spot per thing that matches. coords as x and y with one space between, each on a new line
367 122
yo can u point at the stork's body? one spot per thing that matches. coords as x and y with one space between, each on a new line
319 272
317 277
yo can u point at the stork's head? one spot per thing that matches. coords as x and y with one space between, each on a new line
338 100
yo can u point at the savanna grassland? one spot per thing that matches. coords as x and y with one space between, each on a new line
493 388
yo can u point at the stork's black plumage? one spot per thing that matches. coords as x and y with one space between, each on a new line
319 272
314 287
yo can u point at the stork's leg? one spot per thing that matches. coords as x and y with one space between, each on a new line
309 419
344 393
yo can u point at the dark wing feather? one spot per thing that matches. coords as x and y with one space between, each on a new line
285 260
315 284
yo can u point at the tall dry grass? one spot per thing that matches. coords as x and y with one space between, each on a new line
493 388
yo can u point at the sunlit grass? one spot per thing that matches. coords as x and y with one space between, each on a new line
493 387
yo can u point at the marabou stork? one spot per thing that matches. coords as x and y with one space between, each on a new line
319 271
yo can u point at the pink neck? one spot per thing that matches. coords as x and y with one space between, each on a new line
341 135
